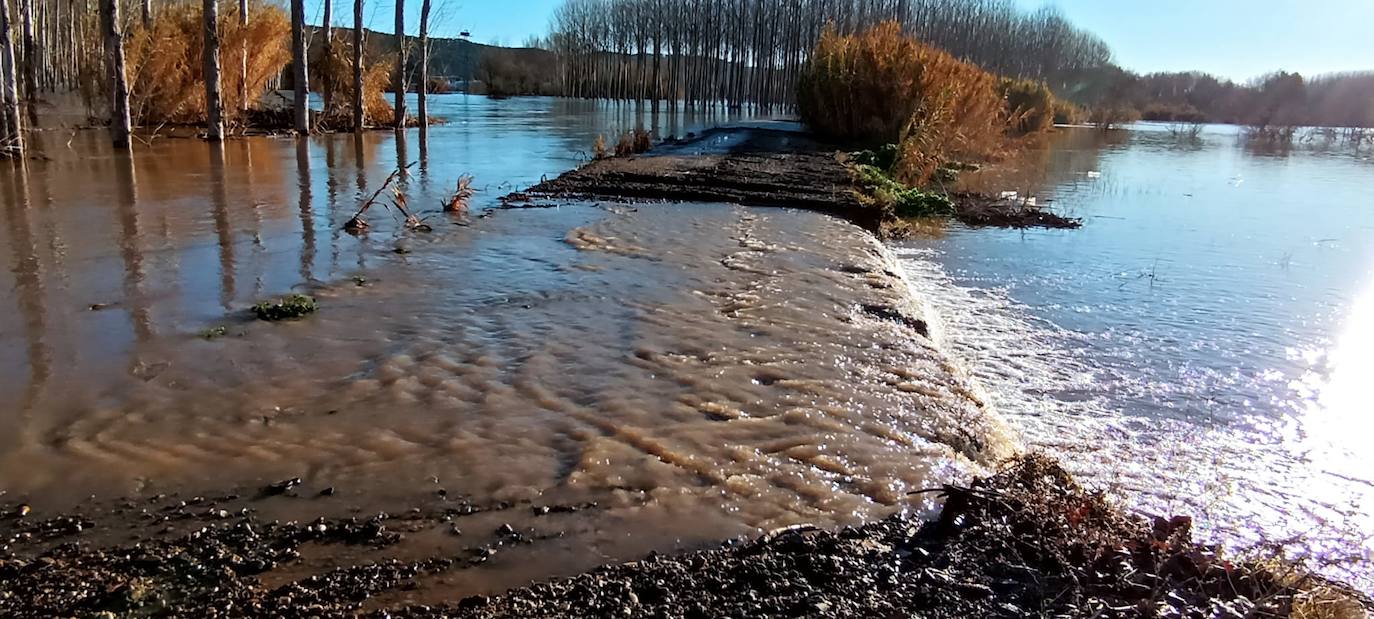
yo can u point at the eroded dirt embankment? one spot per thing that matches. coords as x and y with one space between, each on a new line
763 167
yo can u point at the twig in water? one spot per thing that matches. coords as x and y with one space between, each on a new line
357 223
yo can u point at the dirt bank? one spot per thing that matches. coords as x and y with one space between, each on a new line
1023 542
761 167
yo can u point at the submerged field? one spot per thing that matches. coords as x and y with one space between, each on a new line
523 393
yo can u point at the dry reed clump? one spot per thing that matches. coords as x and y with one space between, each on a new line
462 194
880 86
1030 106
1112 116
1066 113
166 72
633 142
599 147
335 72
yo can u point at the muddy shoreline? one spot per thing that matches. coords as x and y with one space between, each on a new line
1025 541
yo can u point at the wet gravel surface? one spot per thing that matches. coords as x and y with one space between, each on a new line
1024 542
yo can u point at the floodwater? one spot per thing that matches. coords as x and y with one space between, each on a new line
696 371
1203 345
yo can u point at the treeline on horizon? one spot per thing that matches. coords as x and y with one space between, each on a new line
751 52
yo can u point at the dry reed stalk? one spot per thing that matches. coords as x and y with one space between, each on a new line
462 193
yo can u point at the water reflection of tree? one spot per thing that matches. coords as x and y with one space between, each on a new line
1065 158
219 203
30 300
306 209
131 244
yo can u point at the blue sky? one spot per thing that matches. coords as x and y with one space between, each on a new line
1239 39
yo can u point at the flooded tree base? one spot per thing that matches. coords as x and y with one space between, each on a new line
763 167
1027 541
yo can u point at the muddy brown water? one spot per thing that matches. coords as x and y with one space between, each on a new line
696 371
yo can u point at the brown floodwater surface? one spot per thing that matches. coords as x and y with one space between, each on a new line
696 371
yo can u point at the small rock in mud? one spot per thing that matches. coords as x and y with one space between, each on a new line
281 487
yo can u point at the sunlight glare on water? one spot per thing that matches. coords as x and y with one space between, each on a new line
1201 345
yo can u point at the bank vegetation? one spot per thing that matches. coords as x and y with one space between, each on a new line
147 64
751 53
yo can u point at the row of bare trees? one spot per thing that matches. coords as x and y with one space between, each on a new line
737 52
51 46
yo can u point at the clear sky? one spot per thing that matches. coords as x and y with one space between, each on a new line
1239 39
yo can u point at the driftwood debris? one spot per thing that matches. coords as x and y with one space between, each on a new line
398 200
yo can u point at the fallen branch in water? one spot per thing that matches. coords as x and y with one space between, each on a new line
358 224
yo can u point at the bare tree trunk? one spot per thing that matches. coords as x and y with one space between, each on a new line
119 83
13 135
327 49
400 64
300 76
243 58
147 12
358 116
30 62
214 103
424 66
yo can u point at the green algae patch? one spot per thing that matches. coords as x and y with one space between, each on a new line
285 308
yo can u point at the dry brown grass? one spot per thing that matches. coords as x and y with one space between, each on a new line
1030 106
633 142
1308 595
880 86
462 194
165 69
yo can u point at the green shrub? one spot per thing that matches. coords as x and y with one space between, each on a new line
897 200
884 158
294 306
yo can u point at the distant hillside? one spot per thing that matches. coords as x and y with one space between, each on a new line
511 70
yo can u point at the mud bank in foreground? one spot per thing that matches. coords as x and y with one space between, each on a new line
1026 541
764 167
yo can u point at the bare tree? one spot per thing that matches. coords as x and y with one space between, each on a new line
423 88
147 13
300 76
400 64
214 103
30 62
733 52
13 131
243 57
119 82
327 52
358 116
